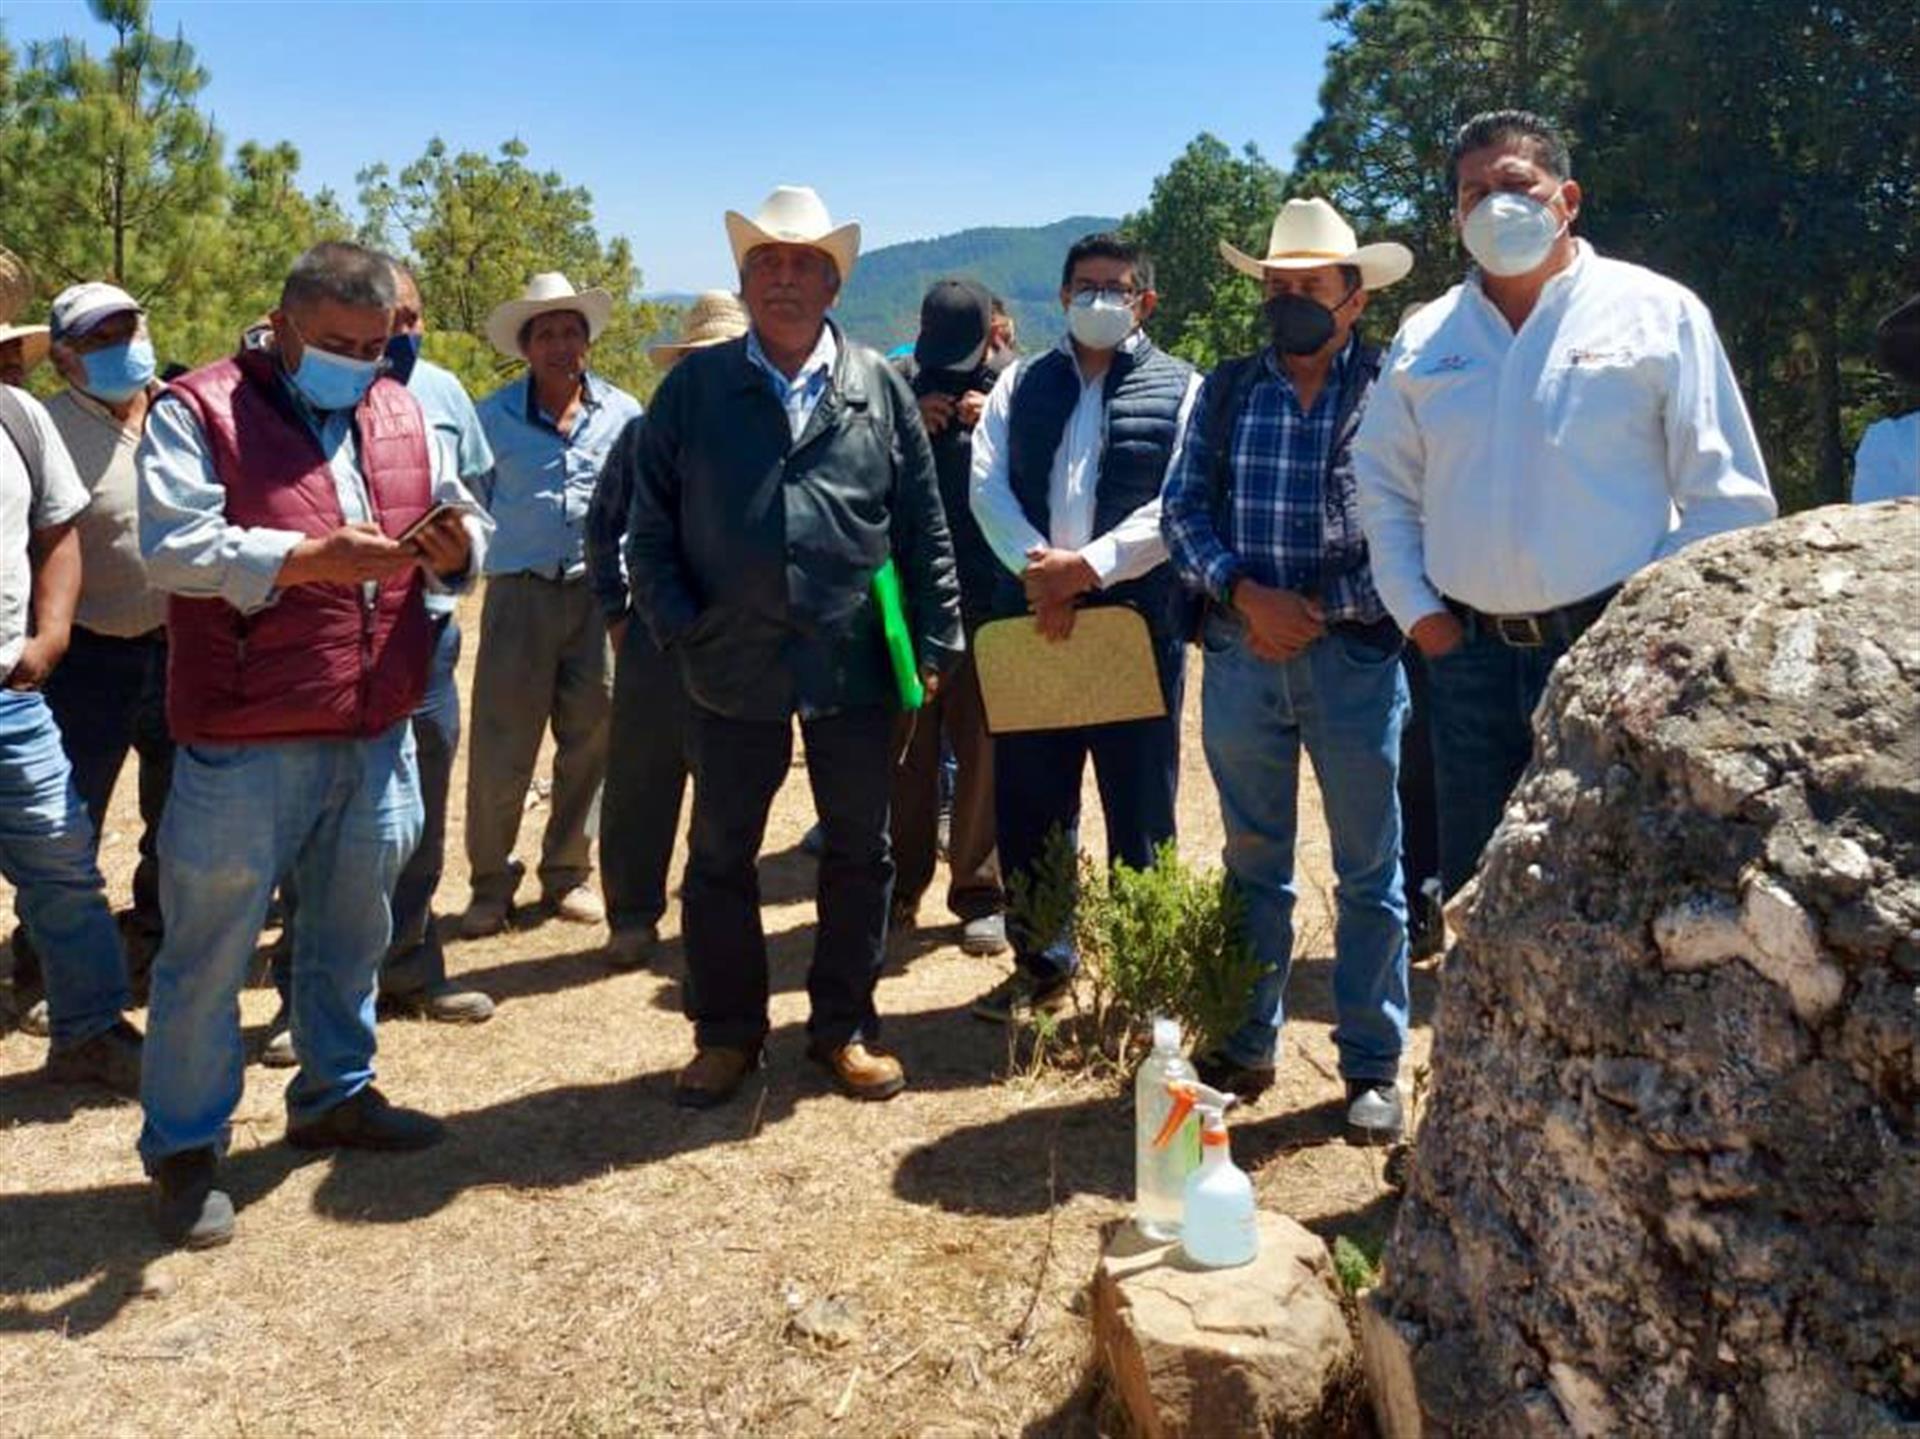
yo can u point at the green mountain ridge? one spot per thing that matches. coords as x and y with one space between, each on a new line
1019 263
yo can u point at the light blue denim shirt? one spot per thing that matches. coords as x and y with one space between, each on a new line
192 549
449 412
542 481
800 396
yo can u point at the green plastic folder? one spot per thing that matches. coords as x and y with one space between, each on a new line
893 624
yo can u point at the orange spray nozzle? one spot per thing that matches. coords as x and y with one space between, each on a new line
1186 1094
1183 1102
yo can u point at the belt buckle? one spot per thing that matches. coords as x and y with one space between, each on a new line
1520 632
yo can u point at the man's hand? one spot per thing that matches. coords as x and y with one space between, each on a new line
1280 623
617 631
1437 634
443 546
1054 619
38 660
1055 576
930 679
970 408
936 412
349 555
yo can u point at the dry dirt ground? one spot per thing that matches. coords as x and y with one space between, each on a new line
581 1258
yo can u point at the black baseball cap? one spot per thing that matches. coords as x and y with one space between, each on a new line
1896 342
954 320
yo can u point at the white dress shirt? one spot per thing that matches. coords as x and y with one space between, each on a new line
1125 552
1887 464
1522 471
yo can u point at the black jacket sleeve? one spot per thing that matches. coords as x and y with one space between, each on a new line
663 593
606 527
922 547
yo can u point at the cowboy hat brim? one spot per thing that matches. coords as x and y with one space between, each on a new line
504 324
1380 265
660 356
841 244
35 341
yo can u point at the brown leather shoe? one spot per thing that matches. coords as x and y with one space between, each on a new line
863 1073
714 1076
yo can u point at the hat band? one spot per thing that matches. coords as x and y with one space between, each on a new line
1311 255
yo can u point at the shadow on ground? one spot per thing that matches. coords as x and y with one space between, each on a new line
551 1138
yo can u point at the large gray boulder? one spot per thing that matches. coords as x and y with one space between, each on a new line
1669 1180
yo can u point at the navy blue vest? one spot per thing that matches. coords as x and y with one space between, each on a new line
1143 392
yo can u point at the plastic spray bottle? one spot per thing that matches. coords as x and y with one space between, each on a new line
1160 1169
1218 1229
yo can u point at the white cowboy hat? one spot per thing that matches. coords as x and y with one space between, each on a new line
712 319
544 294
794 215
34 341
1310 233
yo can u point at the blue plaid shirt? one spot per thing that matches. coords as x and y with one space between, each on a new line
1292 520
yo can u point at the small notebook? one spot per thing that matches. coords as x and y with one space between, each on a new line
1102 674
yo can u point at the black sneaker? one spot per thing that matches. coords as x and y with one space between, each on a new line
1374 1112
1245 1081
187 1209
367 1121
633 946
1016 999
111 1059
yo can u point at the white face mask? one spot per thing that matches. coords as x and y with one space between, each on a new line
1099 323
1510 234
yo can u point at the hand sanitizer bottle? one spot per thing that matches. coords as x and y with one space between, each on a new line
1219 1230
1160 1168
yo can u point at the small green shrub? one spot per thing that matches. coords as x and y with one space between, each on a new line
1168 939
1354 1266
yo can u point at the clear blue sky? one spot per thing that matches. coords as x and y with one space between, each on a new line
915 119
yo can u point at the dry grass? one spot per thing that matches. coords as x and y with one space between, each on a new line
580 1258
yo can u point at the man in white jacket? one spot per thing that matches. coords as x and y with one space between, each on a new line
1546 428
1887 464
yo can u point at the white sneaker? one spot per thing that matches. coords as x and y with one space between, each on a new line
579 905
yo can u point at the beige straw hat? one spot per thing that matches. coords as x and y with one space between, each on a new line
16 285
712 319
1307 234
36 340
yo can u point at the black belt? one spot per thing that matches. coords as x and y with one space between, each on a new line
1382 634
1530 632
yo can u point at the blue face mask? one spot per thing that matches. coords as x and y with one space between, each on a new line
119 372
403 353
330 381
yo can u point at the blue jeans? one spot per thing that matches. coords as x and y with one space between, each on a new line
1345 701
1483 696
342 816
416 960
47 855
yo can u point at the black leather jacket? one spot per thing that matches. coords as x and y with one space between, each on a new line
752 555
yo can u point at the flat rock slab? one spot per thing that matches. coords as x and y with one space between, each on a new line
1221 1353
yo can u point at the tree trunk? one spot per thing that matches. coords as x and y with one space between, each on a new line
1830 477
1521 84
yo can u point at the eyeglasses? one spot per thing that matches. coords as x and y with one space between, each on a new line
1090 294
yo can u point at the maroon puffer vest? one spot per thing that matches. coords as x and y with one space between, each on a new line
322 661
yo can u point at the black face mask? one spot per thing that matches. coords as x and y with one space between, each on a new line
1298 326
